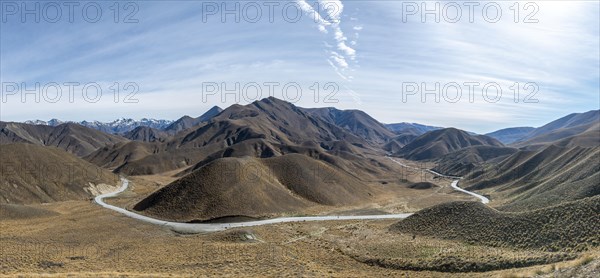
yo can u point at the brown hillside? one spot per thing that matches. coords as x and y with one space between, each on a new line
339 154
571 226
265 128
566 130
440 142
397 142
116 155
37 174
146 134
14 211
463 161
357 122
187 122
254 187
73 138
535 179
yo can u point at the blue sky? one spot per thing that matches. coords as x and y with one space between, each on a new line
371 53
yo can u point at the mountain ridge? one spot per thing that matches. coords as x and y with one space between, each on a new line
437 143
118 126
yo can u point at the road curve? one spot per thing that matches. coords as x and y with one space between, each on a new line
454 183
483 199
214 227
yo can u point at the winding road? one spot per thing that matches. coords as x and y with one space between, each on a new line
214 227
454 183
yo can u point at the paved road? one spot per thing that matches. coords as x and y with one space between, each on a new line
483 199
454 183
213 227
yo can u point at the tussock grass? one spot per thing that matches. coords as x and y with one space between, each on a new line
423 253
569 227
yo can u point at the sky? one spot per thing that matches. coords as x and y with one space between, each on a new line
478 67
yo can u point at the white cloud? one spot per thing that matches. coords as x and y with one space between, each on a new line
339 59
333 8
350 52
330 19
322 29
322 23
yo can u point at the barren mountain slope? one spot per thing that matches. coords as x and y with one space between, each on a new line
73 138
571 226
146 134
187 122
357 122
38 174
571 125
265 128
254 187
440 142
535 179
463 161
510 135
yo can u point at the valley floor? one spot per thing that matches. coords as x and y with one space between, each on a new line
87 240
82 239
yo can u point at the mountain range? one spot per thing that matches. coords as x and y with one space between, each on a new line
395 135
312 157
410 128
71 137
123 125
115 127
440 142
579 129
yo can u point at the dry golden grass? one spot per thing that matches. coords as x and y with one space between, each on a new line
415 252
586 265
38 174
529 180
80 239
568 227
291 184
85 240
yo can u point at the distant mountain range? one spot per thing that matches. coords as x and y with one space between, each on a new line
355 121
186 122
581 129
126 125
118 126
577 129
511 134
411 128
72 138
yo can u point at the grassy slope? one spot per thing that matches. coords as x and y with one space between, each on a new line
254 187
38 174
570 226
536 179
